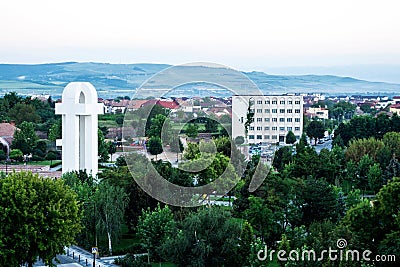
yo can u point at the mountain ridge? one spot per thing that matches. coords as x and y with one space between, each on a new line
112 80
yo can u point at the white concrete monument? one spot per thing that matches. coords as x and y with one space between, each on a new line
79 110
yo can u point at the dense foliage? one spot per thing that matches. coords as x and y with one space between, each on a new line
38 217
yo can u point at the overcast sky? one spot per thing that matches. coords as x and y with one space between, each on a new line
249 35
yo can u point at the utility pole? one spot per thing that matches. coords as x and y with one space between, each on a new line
94 250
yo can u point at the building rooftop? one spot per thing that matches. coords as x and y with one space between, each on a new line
7 131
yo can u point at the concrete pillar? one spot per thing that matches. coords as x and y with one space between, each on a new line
79 110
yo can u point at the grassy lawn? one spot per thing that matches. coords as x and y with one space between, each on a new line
36 163
127 240
108 124
44 162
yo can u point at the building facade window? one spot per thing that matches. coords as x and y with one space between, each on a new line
289 111
274 137
282 110
266 119
274 128
297 102
297 111
267 102
251 128
290 102
274 110
282 102
266 137
289 128
259 119
259 110
281 119
274 102
289 119
259 102
297 128
251 136
259 137
266 110
266 128
259 128
281 128
274 119
297 119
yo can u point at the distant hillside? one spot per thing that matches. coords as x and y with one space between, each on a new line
112 80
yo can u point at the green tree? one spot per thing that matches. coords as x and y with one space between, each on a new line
12 99
192 130
302 144
290 138
392 141
191 151
224 145
112 148
176 146
363 223
360 147
319 201
388 212
51 155
375 179
153 228
259 216
366 108
239 140
249 118
82 184
110 206
123 177
208 237
284 245
315 130
154 146
282 157
25 138
211 125
16 154
120 161
102 147
23 113
392 170
39 217
55 131
245 243
3 155
156 126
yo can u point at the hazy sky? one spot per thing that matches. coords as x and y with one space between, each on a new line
250 35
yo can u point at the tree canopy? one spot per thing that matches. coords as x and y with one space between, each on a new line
38 216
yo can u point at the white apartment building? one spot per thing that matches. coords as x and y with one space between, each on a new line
274 117
320 113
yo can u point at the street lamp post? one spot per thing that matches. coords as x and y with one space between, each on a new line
95 234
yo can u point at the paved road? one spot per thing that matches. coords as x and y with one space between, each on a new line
327 145
76 256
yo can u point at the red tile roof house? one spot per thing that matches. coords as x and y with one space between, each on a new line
171 104
7 131
136 104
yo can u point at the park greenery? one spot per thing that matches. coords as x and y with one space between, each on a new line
38 218
308 200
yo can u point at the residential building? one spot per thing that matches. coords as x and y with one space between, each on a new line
274 117
7 131
320 113
395 109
